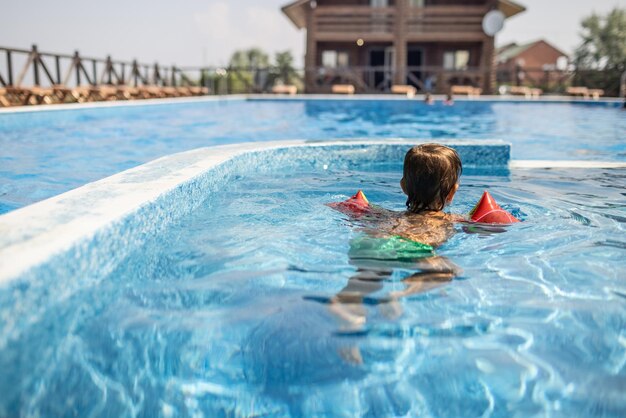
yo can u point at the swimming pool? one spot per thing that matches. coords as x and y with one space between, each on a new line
45 153
213 300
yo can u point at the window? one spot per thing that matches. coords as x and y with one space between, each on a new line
416 3
334 59
379 3
456 60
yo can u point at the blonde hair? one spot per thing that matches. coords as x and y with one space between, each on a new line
430 172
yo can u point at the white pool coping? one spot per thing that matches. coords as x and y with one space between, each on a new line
123 103
162 190
31 235
548 164
301 97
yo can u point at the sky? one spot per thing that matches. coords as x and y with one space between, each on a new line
206 32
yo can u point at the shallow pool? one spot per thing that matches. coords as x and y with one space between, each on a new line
46 153
225 313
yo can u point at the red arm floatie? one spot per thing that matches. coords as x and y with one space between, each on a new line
356 205
489 212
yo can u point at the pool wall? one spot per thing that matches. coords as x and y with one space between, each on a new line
92 225
86 232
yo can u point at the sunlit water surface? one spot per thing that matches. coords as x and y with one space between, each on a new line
43 154
223 314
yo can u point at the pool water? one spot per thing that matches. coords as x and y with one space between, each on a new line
226 313
46 153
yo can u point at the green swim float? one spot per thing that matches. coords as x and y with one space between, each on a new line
394 248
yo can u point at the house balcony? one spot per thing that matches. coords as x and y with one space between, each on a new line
421 24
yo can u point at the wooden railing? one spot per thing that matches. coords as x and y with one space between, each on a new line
334 21
32 67
445 19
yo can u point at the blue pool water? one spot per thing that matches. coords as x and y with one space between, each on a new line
43 154
224 313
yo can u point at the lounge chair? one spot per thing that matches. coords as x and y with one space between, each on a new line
171 91
342 89
407 90
470 91
585 92
17 96
86 94
527 92
595 93
289 89
184 91
4 102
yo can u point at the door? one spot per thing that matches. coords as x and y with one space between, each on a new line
414 62
381 61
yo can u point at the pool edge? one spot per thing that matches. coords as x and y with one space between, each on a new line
34 234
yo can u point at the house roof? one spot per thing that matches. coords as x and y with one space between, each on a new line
295 11
510 8
509 51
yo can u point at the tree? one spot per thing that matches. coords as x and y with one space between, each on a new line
604 42
248 70
283 67
249 58
601 57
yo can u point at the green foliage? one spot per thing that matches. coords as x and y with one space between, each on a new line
601 58
604 42
253 57
241 77
251 71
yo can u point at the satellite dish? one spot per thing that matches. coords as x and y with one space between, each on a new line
493 22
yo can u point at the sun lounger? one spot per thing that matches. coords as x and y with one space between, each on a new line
528 92
285 89
4 102
170 91
109 93
578 91
342 89
470 91
407 90
595 93
585 92
86 94
17 96
184 91
199 91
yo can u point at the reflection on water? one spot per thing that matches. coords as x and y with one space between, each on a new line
221 315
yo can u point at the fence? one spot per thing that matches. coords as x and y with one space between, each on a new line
33 77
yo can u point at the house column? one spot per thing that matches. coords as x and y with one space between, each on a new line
399 41
488 65
310 57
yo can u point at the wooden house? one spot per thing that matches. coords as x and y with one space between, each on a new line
374 44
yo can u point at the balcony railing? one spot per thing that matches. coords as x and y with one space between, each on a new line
333 22
442 19
336 20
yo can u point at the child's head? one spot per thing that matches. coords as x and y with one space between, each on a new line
431 176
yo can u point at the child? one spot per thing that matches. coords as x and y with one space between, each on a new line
430 180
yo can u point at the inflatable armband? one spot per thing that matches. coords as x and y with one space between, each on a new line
356 205
489 212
